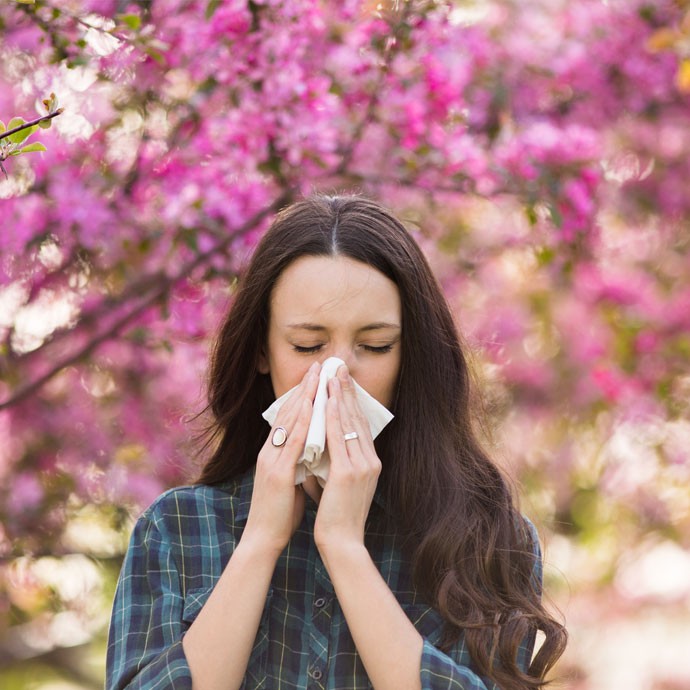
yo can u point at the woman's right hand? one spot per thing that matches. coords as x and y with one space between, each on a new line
277 504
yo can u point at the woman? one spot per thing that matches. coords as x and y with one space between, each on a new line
410 568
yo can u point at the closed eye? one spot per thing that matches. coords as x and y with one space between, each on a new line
307 349
378 349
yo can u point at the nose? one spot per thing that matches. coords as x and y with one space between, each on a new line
347 355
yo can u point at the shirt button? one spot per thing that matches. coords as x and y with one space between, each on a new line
316 674
320 602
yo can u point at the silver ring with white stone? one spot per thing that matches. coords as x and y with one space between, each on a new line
279 436
351 436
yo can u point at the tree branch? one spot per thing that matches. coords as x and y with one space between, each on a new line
37 121
160 291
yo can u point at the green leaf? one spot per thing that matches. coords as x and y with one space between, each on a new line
50 103
19 137
155 55
22 135
133 21
31 148
26 2
45 124
78 61
2 127
211 8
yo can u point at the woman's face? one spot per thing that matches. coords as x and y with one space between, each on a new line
323 306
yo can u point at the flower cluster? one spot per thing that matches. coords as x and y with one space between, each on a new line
541 149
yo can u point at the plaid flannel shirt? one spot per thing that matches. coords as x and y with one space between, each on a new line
177 552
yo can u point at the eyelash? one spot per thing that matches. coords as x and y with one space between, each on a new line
369 348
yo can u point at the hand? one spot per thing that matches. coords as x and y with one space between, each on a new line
354 472
277 504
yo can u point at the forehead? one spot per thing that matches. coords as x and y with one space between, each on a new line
333 287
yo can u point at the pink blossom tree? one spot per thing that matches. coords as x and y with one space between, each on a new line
540 149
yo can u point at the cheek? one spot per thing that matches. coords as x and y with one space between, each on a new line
287 372
389 393
381 382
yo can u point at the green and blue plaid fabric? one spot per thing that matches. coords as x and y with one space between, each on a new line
177 552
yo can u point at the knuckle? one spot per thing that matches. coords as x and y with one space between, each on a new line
294 444
358 417
275 475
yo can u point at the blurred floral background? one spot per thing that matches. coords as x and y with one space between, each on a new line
540 151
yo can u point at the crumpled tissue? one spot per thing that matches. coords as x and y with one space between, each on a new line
315 459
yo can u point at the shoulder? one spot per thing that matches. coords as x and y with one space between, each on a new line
228 502
530 534
188 534
531 544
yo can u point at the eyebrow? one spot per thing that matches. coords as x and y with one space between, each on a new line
376 326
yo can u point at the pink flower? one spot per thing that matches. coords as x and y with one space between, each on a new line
610 382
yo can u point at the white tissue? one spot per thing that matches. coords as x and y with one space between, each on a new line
315 459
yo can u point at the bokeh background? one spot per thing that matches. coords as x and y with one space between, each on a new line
538 149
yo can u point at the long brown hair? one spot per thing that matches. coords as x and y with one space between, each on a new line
473 553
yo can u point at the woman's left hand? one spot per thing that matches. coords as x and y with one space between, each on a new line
354 472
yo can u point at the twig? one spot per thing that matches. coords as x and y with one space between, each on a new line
375 94
26 125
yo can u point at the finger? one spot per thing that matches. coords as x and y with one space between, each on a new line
306 386
299 404
306 390
293 447
343 423
351 415
294 427
337 449
284 458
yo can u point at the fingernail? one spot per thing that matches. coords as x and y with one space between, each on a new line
343 373
314 368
